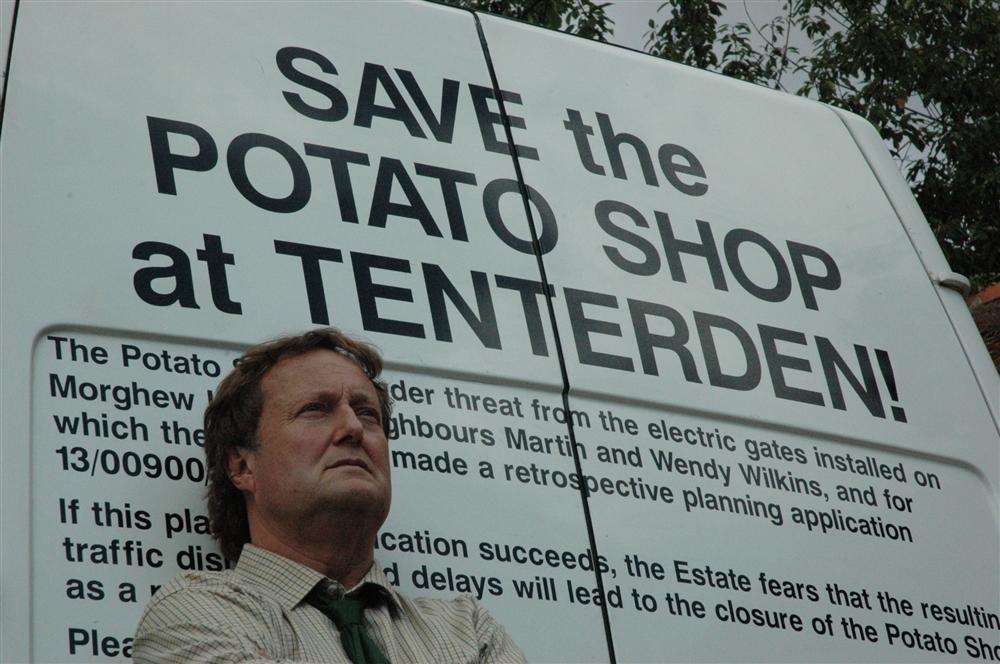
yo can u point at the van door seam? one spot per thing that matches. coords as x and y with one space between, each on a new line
555 331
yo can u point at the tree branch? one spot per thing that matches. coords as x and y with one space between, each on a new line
746 10
784 51
846 23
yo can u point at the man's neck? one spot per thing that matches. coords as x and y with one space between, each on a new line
343 554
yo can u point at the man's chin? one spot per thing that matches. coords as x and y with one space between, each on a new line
358 496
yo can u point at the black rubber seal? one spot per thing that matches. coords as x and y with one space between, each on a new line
10 52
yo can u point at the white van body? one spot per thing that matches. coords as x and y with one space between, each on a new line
749 353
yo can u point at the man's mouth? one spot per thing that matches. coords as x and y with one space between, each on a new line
350 462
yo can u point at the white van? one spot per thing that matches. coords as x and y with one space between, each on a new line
680 371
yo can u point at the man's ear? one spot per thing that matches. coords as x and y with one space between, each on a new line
239 465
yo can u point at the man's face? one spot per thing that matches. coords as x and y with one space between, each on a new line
320 443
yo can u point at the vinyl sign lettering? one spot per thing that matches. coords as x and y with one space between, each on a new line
398 199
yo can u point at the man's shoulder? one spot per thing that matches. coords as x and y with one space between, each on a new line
471 622
463 603
207 595
461 608
194 583
218 616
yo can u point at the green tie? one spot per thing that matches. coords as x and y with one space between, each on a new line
348 615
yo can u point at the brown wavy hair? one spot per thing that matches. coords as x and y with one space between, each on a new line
233 414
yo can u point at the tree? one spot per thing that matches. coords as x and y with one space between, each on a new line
923 72
578 17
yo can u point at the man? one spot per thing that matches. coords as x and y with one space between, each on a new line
298 461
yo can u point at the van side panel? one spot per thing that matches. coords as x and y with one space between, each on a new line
788 438
933 259
187 183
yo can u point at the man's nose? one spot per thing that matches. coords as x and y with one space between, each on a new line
348 428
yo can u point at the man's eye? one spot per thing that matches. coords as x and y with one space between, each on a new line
313 406
368 413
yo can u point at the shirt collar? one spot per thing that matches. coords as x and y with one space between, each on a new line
289 582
